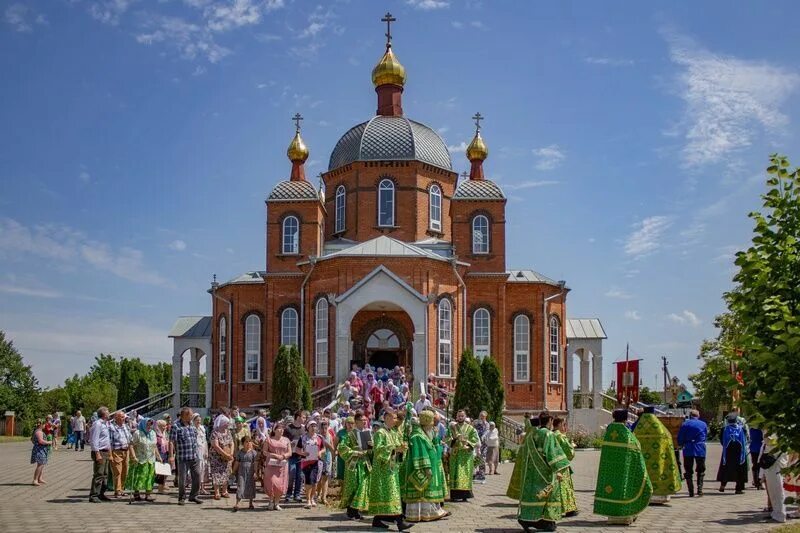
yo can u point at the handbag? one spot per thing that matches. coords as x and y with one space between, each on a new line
766 461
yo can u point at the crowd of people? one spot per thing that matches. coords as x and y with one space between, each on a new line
640 466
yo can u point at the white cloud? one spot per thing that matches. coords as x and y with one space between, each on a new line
177 245
548 157
84 177
686 317
427 5
109 11
19 17
189 39
633 315
531 184
457 24
224 16
646 236
457 148
727 99
615 292
477 24
68 245
609 61
29 291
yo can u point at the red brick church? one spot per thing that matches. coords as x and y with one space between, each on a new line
394 261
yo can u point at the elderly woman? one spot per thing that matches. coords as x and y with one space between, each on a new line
491 439
39 453
162 447
141 473
202 451
221 456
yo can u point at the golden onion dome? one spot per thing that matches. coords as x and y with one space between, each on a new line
297 151
388 71
477 148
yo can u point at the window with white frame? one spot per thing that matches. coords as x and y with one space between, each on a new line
289 327
554 350
386 203
480 235
435 196
321 337
223 349
340 208
522 348
252 348
445 336
481 326
291 235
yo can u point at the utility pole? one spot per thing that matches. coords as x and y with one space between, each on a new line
666 373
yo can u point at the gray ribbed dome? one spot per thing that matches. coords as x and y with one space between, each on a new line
478 190
293 191
390 138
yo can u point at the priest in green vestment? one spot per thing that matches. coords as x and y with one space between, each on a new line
531 425
384 483
423 484
623 487
462 439
541 464
659 456
355 487
569 506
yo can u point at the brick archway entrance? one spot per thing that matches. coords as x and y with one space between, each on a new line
384 341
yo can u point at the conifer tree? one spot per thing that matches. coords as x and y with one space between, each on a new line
494 388
291 387
471 393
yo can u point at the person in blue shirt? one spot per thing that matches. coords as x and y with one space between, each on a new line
692 438
733 463
756 441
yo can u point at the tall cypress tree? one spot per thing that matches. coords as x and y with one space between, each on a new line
471 393
291 387
494 388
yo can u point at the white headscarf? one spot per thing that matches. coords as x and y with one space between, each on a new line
221 423
262 431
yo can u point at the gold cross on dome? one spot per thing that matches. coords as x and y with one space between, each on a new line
477 118
388 19
296 119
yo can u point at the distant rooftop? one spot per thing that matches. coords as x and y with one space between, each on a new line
585 328
191 326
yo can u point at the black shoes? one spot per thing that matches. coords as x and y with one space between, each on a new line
378 524
195 500
402 525
94 500
571 514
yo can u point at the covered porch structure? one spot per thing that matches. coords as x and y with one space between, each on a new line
585 340
191 334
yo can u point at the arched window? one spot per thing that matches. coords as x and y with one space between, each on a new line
480 235
340 208
289 327
386 203
223 349
555 327
321 337
481 323
291 235
435 196
445 336
252 348
383 339
522 348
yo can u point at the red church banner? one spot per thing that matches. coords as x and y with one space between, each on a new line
628 381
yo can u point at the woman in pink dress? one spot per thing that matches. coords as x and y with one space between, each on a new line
276 451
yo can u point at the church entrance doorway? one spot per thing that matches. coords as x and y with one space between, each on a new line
383 342
383 349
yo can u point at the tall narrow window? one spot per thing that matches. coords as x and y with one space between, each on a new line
252 348
554 349
386 203
480 332
445 336
321 337
522 348
223 349
480 235
289 327
291 235
340 208
435 196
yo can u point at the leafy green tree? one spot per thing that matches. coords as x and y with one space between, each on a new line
471 393
55 400
650 397
132 371
161 377
106 368
291 387
766 305
19 389
494 388
714 383
97 394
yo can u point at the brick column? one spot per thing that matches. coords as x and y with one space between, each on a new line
10 423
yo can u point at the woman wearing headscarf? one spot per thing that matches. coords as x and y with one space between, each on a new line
162 447
142 470
259 435
202 451
733 463
221 455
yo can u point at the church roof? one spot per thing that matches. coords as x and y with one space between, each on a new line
293 191
387 138
384 246
585 328
529 276
478 190
191 326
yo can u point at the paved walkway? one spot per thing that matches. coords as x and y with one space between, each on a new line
62 505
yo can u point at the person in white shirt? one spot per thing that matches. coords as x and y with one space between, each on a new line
423 403
491 438
100 445
78 423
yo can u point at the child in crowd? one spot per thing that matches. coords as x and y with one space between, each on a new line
244 467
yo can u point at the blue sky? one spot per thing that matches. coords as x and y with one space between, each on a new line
140 139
